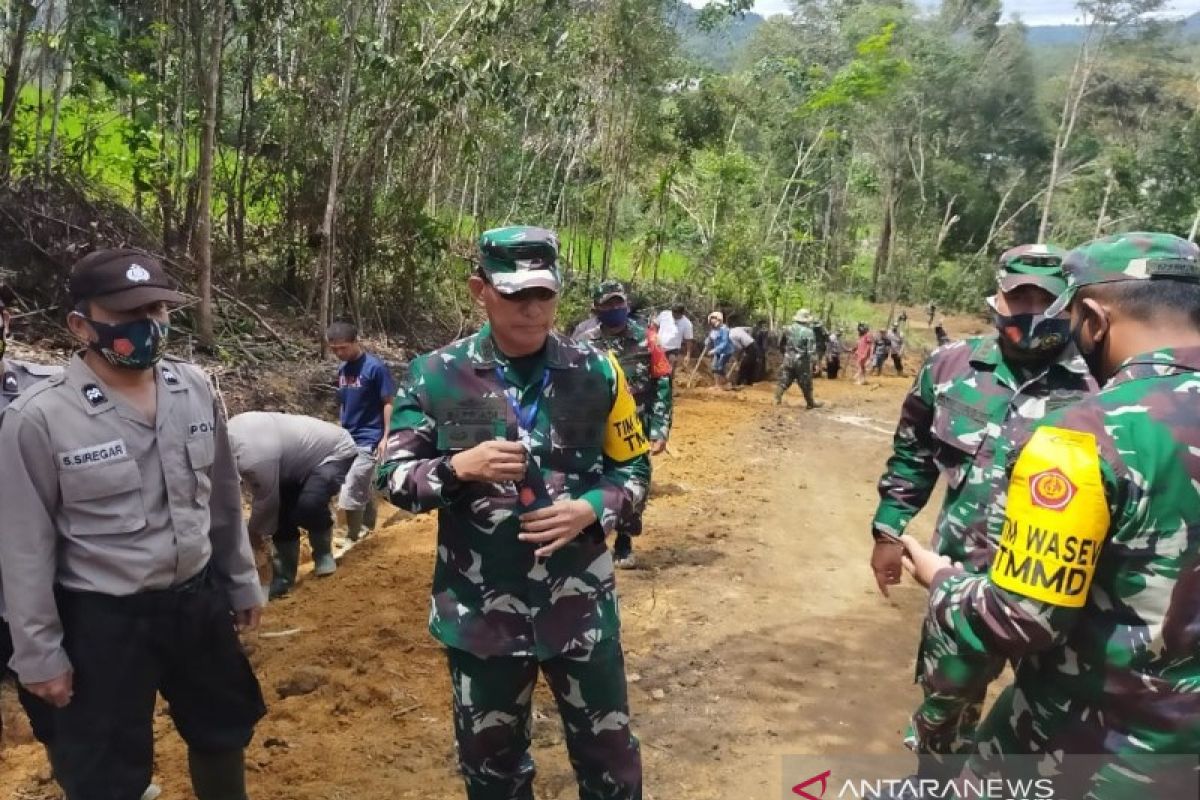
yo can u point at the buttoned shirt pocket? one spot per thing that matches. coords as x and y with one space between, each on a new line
959 429
201 452
103 499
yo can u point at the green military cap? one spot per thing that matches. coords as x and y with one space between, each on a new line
607 290
1129 257
520 257
1033 265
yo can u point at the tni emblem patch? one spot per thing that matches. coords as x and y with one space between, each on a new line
1051 489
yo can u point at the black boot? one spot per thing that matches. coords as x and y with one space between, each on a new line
218 776
285 560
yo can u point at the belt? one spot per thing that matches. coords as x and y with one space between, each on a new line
148 600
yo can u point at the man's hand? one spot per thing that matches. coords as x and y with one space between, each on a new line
491 462
921 562
885 562
57 691
555 526
658 447
246 621
381 449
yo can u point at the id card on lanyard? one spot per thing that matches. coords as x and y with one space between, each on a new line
531 491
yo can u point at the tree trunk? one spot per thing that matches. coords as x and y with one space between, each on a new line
210 90
23 10
60 80
335 165
883 254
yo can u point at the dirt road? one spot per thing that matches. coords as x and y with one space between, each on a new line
752 628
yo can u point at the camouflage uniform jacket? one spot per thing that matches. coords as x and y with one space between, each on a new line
649 375
1117 671
966 410
491 597
799 343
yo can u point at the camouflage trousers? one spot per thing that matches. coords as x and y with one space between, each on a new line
796 370
493 716
946 721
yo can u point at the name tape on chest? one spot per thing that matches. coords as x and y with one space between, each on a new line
624 438
93 454
201 428
1056 521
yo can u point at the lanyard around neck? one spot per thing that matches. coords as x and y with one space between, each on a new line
526 417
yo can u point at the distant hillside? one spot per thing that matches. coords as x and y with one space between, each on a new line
1058 35
719 48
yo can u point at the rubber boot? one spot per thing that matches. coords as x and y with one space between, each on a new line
218 776
354 524
370 516
285 560
324 564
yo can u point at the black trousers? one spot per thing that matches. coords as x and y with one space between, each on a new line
41 728
305 504
124 651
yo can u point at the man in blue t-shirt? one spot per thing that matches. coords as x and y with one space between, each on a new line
365 392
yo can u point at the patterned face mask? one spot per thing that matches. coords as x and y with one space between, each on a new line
131 345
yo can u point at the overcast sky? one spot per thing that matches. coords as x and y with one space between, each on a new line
1033 12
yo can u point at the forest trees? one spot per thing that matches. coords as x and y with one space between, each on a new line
340 156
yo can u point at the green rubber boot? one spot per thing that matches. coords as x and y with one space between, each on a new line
355 523
322 552
218 776
370 516
285 560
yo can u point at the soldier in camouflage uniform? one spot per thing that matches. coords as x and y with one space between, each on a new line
798 345
970 403
1095 586
529 447
649 374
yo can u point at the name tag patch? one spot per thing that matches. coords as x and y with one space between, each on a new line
93 454
200 428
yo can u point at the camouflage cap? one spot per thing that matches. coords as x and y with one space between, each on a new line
1129 257
607 290
520 257
1033 265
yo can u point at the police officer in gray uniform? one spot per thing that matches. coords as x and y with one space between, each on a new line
293 465
127 568
15 377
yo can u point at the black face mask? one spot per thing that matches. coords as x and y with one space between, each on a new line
1032 338
1092 353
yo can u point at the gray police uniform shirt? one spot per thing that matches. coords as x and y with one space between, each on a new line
15 378
272 449
96 499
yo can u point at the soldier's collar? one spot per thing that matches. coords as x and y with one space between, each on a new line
987 352
484 355
1157 364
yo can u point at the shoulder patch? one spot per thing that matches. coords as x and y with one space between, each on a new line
10 385
94 395
1057 519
